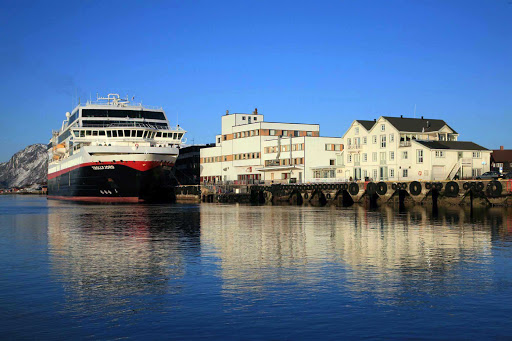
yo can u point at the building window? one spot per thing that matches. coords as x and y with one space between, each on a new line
364 140
285 132
374 139
365 157
383 141
476 172
382 127
405 173
383 156
391 137
272 132
349 158
255 118
331 162
439 153
391 156
391 173
374 174
374 156
419 153
309 133
243 118
356 130
477 155
404 155
349 142
296 133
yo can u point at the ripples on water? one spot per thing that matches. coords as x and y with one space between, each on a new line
252 272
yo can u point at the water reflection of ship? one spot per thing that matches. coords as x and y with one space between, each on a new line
382 252
118 252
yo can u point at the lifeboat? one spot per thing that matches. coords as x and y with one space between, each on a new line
59 149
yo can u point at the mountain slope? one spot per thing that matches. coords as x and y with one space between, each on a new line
26 167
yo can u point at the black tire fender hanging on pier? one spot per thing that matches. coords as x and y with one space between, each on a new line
428 185
328 195
403 186
438 186
371 188
344 187
494 188
382 188
415 188
451 189
480 186
353 188
306 195
465 186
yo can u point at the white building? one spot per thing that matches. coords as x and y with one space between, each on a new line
252 150
406 149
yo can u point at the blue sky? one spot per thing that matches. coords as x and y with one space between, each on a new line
326 62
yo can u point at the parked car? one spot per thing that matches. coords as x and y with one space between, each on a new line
507 175
489 176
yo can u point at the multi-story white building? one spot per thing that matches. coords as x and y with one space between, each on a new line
405 149
252 150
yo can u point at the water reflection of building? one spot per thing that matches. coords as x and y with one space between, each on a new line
118 252
382 252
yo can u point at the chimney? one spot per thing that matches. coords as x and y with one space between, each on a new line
255 112
421 117
401 116
502 148
374 120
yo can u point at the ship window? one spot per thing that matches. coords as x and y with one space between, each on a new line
109 133
152 115
180 135
159 134
139 133
94 133
174 136
127 133
120 133
114 133
102 132
164 135
82 133
87 133
75 132
145 134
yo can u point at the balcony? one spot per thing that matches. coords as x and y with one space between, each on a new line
405 143
354 146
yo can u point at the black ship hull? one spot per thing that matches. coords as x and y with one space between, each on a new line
114 182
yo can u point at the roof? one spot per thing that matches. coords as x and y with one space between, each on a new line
502 155
366 124
417 124
457 145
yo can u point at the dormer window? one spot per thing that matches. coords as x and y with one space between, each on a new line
383 127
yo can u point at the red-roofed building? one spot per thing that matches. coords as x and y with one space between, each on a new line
501 160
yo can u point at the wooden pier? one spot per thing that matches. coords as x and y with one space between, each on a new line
460 192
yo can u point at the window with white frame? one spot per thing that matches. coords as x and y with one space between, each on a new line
383 156
364 140
356 130
439 153
374 139
374 156
391 173
419 154
477 155
476 172
349 142
365 157
405 173
383 141
391 156
374 174
382 127
349 158
404 155
391 137
272 132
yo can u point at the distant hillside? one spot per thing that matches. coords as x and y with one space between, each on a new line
25 168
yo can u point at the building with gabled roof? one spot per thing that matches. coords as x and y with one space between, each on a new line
405 149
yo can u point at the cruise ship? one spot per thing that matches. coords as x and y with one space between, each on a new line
112 150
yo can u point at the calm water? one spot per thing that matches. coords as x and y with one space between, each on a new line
252 272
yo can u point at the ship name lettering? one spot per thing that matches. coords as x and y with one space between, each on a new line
103 167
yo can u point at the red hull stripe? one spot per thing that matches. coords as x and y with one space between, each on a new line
97 199
138 165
